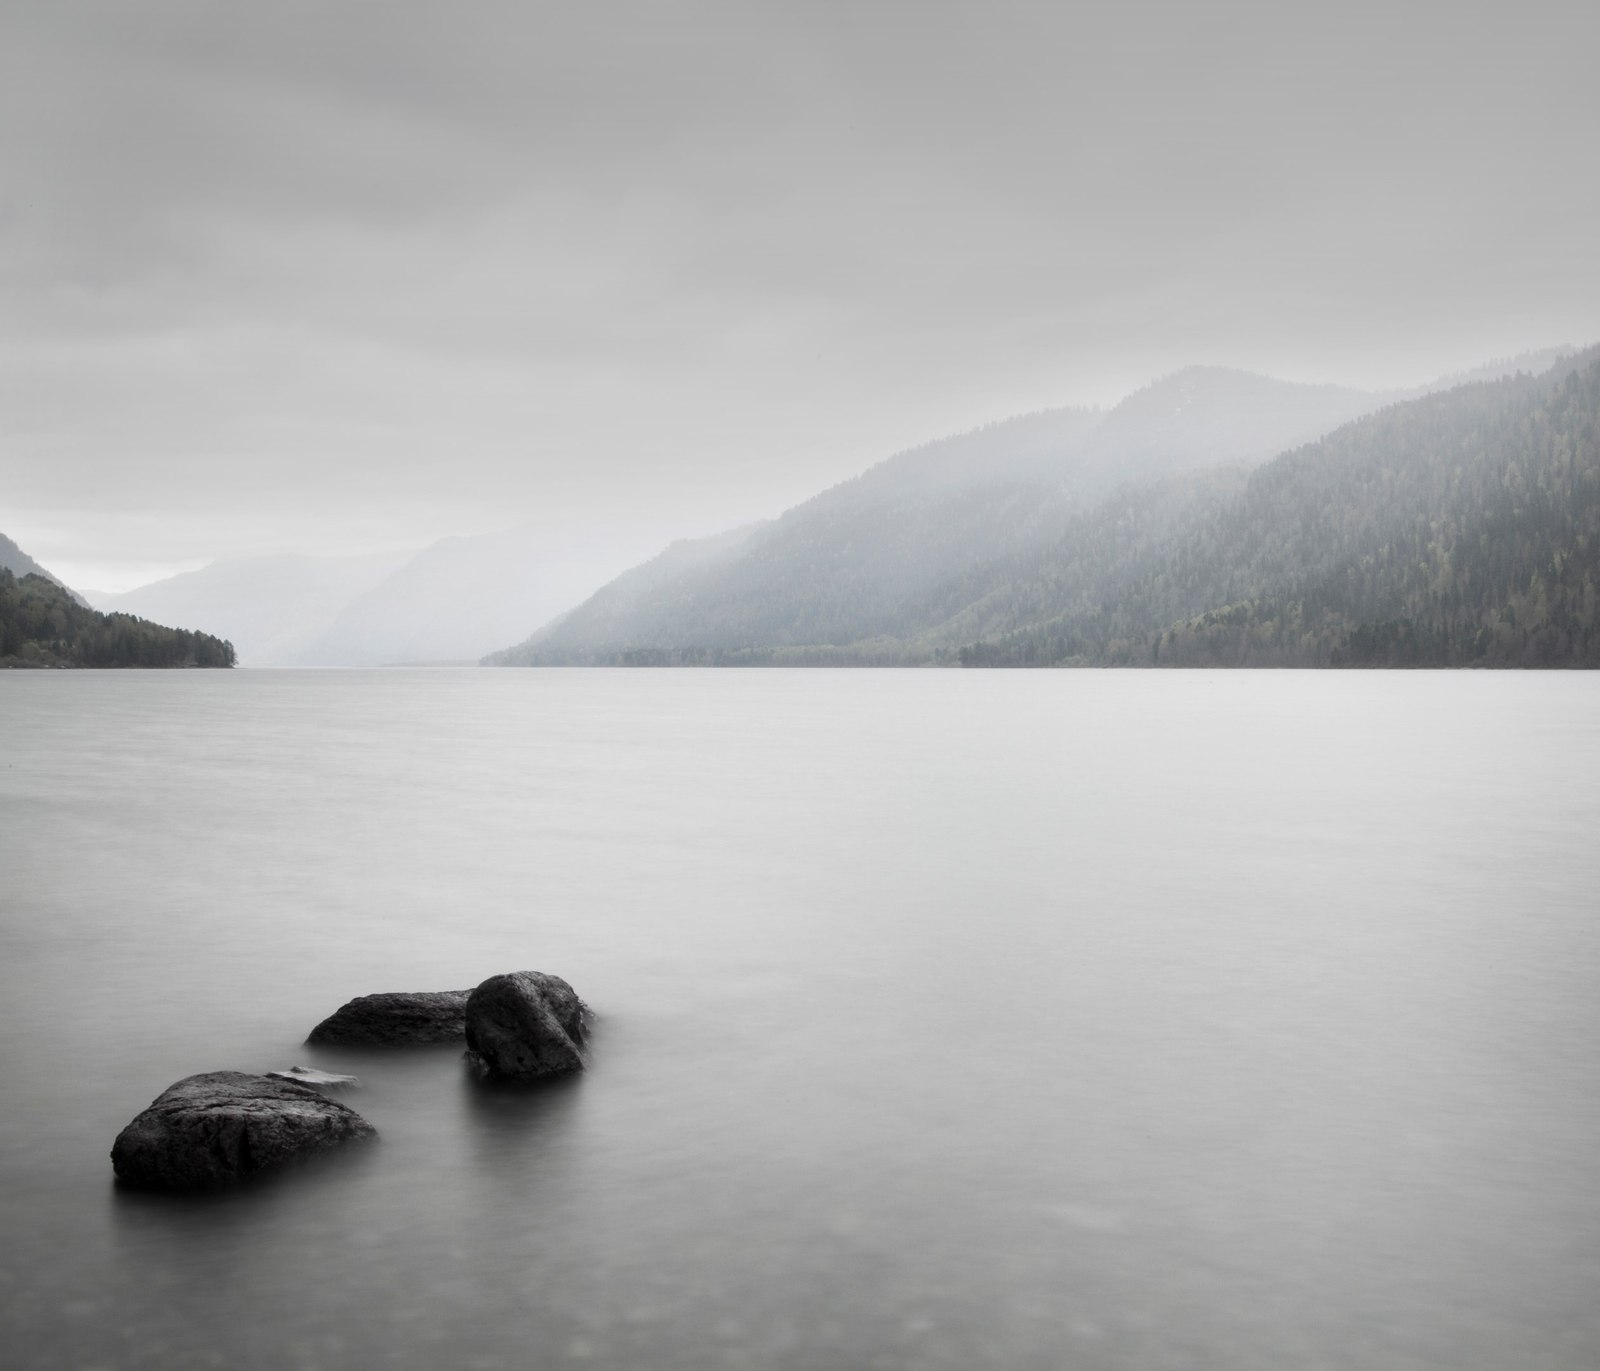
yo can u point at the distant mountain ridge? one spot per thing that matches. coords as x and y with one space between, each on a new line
1534 363
1085 542
1215 416
650 587
270 608
849 574
921 556
452 601
457 598
1462 528
19 564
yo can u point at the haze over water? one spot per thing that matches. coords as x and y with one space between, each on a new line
946 1020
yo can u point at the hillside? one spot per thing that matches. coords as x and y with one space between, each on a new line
1459 529
18 563
646 591
1456 527
459 598
1206 417
858 572
41 625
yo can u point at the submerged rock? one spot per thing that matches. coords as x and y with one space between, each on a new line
309 1075
417 1016
220 1127
525 1024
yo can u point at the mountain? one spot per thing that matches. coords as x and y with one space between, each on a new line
644 591
459 598
1534 363
1458 529
453 601
855 573
270 608
1214 416
19 564
1212 518
42 625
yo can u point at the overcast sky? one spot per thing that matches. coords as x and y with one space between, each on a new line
342 277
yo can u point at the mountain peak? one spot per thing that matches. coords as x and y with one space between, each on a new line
1213 416
1215 388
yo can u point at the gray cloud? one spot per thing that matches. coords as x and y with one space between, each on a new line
330 277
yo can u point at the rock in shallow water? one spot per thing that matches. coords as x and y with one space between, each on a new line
223 1126
525 1024
416 1016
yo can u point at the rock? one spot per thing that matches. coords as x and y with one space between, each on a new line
418 1016
309 1075
525 1024
223 1126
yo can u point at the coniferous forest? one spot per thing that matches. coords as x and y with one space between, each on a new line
1458 528
41 625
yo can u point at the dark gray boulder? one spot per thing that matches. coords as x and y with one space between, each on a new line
417 1016
525 1024
218 1128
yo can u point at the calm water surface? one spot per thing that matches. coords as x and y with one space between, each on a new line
947 1020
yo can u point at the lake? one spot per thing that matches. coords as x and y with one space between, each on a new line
1124 1020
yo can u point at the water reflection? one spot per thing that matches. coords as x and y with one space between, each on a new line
1140 1021
519 1124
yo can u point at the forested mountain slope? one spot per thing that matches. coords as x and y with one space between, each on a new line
864 572
1205 417
41 625
1461 528
647 591
18 563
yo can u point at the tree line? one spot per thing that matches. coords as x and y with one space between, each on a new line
42 625
1460 529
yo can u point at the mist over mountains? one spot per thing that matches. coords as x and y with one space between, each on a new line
1069 535
451 602
851 565
19 564
452 598
1458 529
1065 535
270 608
